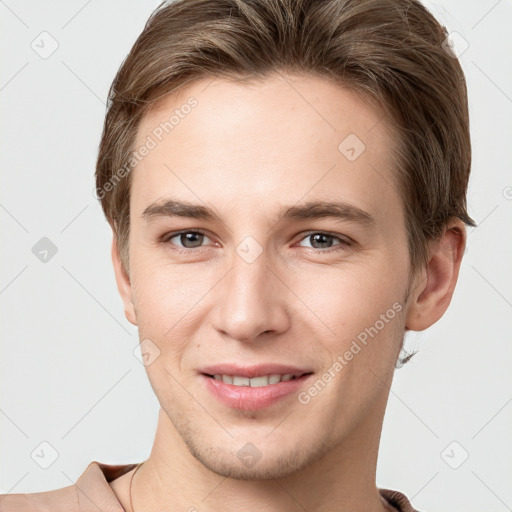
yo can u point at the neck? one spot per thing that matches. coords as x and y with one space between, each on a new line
340 478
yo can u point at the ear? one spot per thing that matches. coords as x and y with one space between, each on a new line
123 283
433 287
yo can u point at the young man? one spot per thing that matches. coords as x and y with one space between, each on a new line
286 185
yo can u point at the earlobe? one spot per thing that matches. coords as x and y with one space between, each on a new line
434 287
123 283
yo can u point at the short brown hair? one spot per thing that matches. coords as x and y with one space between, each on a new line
392 52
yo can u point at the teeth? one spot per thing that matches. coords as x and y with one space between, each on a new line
255 382
274 379
240 381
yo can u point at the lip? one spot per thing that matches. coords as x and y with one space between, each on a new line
253 371
247 398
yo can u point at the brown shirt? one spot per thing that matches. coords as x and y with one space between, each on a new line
92 492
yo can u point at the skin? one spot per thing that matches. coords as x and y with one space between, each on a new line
246 151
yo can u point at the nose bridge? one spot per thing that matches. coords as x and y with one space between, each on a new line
250 302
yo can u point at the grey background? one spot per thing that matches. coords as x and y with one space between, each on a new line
69 376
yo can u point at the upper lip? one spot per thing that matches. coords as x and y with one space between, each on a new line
253 371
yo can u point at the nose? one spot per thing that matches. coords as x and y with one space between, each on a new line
251 300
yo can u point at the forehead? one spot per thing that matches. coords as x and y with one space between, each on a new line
264 144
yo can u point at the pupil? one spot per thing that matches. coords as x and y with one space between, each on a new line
192 238
321 236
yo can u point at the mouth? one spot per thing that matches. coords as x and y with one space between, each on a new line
258 381
255 393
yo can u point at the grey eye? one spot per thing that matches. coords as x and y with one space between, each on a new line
321 240
189 239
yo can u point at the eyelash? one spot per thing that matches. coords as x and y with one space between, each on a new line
344 242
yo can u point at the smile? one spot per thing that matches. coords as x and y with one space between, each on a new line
255 393
255 382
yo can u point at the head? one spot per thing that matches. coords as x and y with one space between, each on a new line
318 155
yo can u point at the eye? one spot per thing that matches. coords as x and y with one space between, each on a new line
187 239
321 241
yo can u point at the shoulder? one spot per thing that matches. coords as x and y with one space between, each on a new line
398 500
58 500
91 493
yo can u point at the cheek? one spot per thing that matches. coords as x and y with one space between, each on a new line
168 297
359 312
348 297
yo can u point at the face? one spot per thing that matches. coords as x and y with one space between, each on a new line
234 258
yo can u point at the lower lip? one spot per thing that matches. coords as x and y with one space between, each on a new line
247 398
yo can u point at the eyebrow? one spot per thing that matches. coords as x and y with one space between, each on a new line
306 211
